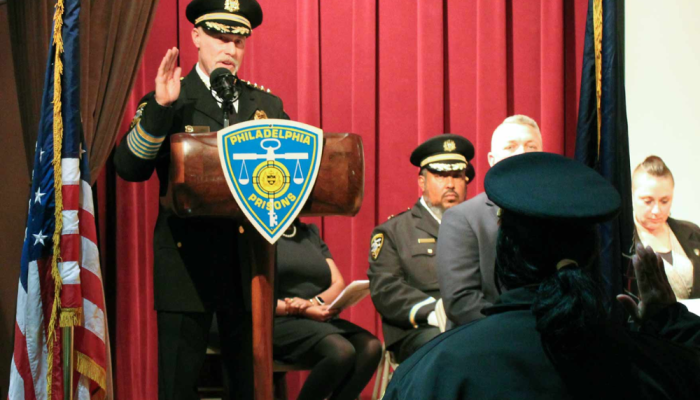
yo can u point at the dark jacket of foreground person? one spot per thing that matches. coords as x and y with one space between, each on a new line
550 336
473 361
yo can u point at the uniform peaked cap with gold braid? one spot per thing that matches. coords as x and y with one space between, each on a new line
238 17
446 152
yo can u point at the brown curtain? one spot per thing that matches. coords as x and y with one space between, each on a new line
113 37
30 27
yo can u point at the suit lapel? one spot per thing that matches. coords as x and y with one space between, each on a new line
693 245
492 206
426 222
690 242
246 103
204 102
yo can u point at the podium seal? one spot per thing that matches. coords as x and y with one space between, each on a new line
270 166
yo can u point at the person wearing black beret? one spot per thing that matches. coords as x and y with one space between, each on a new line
200 265
549 336
402 275
467 240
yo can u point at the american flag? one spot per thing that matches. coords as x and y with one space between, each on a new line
60 283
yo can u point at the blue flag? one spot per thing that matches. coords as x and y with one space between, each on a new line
602 134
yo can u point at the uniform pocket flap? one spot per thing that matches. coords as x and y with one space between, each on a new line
423 249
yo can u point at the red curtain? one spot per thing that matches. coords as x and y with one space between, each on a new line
396 73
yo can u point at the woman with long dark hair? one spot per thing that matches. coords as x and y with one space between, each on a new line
549 335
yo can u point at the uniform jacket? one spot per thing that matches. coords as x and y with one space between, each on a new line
466 259
688 235
402 276
502 357
195 259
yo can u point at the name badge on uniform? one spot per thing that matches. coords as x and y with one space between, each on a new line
270 166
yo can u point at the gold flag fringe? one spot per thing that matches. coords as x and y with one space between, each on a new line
598 47
86 366
57 147
71 317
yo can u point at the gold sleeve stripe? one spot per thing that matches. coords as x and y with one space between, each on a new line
135 143
414 310
143 144
147 136
225 17
137 150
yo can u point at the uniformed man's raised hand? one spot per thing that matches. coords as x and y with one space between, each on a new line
654 290
168 79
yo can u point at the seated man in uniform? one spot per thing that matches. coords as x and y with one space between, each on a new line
402 275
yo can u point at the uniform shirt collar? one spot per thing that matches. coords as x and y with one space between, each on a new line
422 202
205 79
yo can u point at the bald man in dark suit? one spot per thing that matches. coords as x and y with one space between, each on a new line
466 249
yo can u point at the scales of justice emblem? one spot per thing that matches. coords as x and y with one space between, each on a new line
270 166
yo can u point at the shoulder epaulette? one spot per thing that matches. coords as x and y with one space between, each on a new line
255 86
396 215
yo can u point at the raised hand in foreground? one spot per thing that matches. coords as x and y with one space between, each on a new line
655 292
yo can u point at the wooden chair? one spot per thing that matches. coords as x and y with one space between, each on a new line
387 364
211 385
280 370
385 371
441 316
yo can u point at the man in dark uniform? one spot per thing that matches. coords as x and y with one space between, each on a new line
402 275
201 265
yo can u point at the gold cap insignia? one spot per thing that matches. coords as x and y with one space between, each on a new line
449 145
440 167
376 245
260 114
232 6
236 30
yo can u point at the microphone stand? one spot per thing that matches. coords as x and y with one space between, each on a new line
224 85
227 105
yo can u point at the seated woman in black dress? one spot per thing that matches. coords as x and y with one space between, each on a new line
342 354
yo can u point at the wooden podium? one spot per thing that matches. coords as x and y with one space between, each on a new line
198 188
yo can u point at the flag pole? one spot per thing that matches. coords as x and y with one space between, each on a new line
67 362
